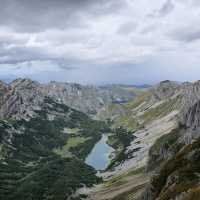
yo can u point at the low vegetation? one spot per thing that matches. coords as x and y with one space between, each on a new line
164 147
119 140
31 165
179 174
128 121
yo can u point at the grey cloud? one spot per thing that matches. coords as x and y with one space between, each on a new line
20 54
167 7
148 28
127 28
37 15
191 3
186 34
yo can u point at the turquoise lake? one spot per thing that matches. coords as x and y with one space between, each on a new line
99 156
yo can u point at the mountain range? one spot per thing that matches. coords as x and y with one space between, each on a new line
47 130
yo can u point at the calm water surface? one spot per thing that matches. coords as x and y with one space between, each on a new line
99 156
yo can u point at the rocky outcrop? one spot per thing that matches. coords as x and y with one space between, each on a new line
21 99
165 90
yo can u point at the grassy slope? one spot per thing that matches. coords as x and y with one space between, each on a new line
148 111
132 122
72 142
129 119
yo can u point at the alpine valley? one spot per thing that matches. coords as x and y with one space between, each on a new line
47 132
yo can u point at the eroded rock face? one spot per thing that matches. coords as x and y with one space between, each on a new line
21 99
191 96
192 118
88 99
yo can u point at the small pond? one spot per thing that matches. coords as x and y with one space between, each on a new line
99 156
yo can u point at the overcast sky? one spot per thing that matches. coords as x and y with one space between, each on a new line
100 41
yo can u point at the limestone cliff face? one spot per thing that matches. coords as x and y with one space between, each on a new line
191 119
190 110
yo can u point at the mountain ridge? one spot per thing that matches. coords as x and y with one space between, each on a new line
89 99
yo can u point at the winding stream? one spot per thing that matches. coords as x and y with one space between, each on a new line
99 156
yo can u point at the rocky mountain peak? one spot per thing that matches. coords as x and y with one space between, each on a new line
24 84
3 87
165 89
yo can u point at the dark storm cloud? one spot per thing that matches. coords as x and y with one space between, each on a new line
38 15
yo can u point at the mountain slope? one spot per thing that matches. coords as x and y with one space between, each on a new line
177 159
149 116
